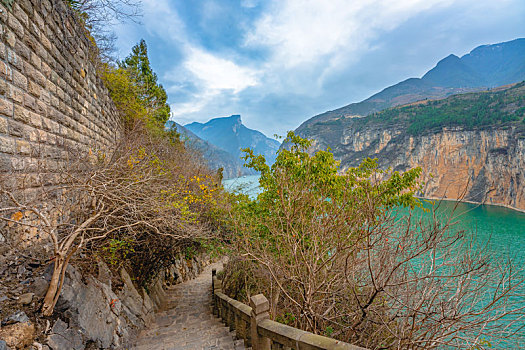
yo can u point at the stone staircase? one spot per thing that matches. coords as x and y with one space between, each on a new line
188 323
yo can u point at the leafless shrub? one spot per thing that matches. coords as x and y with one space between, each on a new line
147 194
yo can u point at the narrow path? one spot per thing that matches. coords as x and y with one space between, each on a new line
188 323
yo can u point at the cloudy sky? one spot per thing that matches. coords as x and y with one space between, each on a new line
280 62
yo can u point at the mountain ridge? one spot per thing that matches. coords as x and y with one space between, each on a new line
484 66
231 135
214 156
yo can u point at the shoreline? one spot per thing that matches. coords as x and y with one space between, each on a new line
506 206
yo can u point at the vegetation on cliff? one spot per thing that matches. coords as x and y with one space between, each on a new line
484 67
469 111
472 111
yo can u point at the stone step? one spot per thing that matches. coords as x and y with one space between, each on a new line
188 323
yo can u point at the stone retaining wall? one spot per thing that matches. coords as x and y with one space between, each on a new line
51 98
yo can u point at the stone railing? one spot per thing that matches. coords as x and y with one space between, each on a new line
252 323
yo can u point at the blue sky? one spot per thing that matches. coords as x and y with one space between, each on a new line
280 62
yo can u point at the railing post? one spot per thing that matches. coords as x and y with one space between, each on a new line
213 298
238 329
218 301
260 307
231 317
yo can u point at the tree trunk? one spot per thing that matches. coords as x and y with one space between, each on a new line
55 286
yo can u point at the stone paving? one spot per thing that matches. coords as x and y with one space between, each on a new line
188 323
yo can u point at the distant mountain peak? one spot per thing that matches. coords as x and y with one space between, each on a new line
236 117
450 57
229 134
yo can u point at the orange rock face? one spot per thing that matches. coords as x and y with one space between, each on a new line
483 166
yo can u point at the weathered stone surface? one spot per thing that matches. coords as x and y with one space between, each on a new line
87 308
62 337
17 317
18 335
26 298
188 322
3 345
36 56
133 303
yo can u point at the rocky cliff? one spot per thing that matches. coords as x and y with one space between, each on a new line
486 166
476 152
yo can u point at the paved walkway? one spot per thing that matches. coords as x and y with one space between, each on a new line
188 323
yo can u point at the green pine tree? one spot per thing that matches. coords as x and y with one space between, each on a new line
151 94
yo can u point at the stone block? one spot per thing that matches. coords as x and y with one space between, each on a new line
6 107
34 89
5 71
35 61
50 86
7 145
15 25
20 14
23 147
39 21
45 69
3 126
22 114
15 128
5 89
16 94
34 30
30 102
36 120
22 50
3 54
27 6
41 107
19 80
10 38
34 74
14 59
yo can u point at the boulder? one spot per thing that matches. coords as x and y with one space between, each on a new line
39 287
26 298
19 335
62 337
17 317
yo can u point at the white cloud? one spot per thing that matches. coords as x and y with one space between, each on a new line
218 73
304 32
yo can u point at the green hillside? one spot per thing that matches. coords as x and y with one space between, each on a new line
469 111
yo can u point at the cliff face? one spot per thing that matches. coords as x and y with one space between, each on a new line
487 166
469 146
